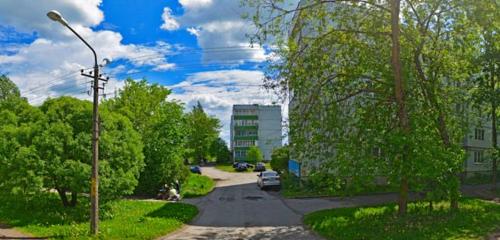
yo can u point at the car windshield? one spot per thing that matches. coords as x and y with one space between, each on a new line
269 174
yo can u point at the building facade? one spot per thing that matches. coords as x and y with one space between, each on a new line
478 144
255 125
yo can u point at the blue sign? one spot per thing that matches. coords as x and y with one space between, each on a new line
294 167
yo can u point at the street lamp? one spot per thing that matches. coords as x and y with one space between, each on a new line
94 189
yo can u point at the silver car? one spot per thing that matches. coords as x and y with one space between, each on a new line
268 179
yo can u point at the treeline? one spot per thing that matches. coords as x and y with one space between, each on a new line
146 141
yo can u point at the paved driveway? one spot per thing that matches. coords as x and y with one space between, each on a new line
238 209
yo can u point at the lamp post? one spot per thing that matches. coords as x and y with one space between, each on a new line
94 190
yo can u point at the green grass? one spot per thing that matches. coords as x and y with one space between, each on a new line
475 220
196 186
228 167
122 219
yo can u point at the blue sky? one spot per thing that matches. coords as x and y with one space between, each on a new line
198 48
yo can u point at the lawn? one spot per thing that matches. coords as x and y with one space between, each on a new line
475 220
121 219
196 186
228 167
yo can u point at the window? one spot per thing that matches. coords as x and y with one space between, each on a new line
245 143
478 157
479 134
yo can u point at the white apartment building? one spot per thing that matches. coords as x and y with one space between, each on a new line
255 125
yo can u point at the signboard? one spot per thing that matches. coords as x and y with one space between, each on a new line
294 167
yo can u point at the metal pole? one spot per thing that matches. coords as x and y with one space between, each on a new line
94 188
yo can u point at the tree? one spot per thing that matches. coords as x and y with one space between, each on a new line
163 130
21 169
361 115
254 155
203 131
8 88
279 159
486 90
65 147
220 151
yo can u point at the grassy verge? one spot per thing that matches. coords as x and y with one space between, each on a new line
196 186
44 216
475 220
228 167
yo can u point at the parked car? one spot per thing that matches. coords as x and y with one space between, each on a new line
260 167
235 164
195 169
241 167
268 179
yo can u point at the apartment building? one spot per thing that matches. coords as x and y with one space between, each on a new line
477 144
255 125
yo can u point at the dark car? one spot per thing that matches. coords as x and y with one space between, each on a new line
195 169
241 167
260 167
235 164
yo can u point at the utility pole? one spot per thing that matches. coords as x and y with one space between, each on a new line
94 189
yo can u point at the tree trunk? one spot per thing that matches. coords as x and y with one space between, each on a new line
494 139
400 101
74 198
62 195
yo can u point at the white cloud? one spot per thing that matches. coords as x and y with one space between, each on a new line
164 67
194 31
49 65
220 30
29 16
217 91
169 23
195 3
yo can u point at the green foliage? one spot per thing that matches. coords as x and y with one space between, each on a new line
475 220
50 148
131 219
345 109
197 186
22 169
220 151
254 155
162 127
65 144
203 131
279 159
8 89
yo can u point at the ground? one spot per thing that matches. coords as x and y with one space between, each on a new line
238 209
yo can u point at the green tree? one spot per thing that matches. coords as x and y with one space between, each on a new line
375 85
254 155
486 86
8 88
21 169
65 147
220 151
279 159
203 131
163 130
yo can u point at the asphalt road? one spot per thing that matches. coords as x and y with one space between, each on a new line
238 209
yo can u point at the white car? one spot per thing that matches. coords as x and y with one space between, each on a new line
268 179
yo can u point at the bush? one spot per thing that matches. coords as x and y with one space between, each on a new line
279 159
